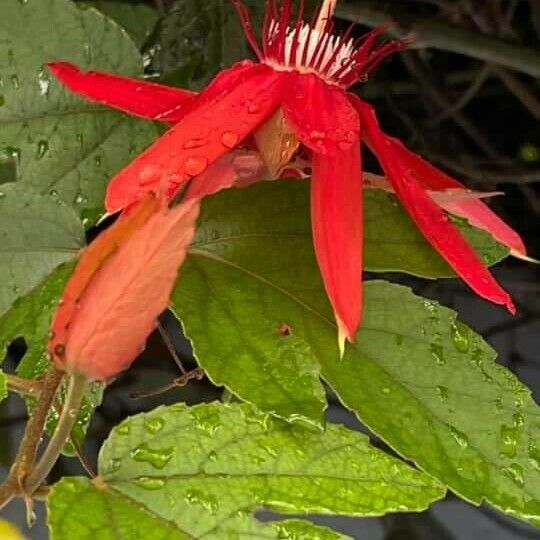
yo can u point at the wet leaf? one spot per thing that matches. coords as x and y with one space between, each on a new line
420 379
137 19
37 234
201 472
55 142
197 38
272 221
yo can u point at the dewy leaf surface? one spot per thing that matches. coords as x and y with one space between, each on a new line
197 38
54 141
202 471
37 234
137 19
416 376
265 228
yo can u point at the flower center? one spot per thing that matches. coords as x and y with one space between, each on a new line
291 44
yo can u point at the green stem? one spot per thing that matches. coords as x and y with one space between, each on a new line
32 436
72 403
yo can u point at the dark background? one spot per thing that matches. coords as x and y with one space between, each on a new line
476 119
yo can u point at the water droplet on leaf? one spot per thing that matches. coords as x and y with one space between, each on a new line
196 496
158 458
442 392
459 437
515 473
438 354
460 336
151 484
509 441
123 429
154 425
43 148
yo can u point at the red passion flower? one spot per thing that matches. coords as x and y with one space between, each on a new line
303 73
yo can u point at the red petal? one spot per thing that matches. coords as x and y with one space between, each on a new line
239 168
320 114
215 126
432 220
474 210
337 221
91 260
133 96
110 328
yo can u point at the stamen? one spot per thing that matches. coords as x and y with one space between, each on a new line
293 45
321 49
325 15
245 19
296 36
282 29
343 41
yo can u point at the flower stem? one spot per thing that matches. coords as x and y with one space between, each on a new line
32 436
72 403
27 387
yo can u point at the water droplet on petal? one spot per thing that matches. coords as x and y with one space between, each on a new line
229 139
253 108
195 165
194 143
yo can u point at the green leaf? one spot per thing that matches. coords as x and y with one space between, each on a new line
38 234
197 38
394 243
56 142
201 472
272 220
3 387
138 19
30 317
418 378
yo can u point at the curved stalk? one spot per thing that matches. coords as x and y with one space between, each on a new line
32 436
75 394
